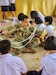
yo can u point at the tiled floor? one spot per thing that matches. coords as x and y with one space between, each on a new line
32 60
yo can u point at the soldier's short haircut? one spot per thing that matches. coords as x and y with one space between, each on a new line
20 16
25 17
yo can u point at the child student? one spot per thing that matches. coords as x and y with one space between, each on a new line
41 26
40 23
10 65
49 27
5 8
48 62
34 14
49 30
12 8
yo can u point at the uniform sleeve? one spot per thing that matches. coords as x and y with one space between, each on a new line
42 63
20 65
23 67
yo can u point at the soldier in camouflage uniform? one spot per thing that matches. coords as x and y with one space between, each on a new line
21 32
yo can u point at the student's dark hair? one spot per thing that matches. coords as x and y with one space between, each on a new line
48 19
34 72
20 16
38 20
33 14
5 46
50 43
25 17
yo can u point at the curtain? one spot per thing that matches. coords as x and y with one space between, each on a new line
47 7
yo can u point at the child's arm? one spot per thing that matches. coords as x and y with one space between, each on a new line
24 74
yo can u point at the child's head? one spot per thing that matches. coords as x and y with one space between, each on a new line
33 14
34 72
5 46
49 20
50 43
38 20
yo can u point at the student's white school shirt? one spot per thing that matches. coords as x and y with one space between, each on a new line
41 26
11 65
4 2
50 30
41 16
48 63
12 1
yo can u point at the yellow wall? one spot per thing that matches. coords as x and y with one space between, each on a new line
47 7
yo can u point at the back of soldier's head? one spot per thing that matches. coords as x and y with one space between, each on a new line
5 46
20 16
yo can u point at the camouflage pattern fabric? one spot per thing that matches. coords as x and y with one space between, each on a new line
21 33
